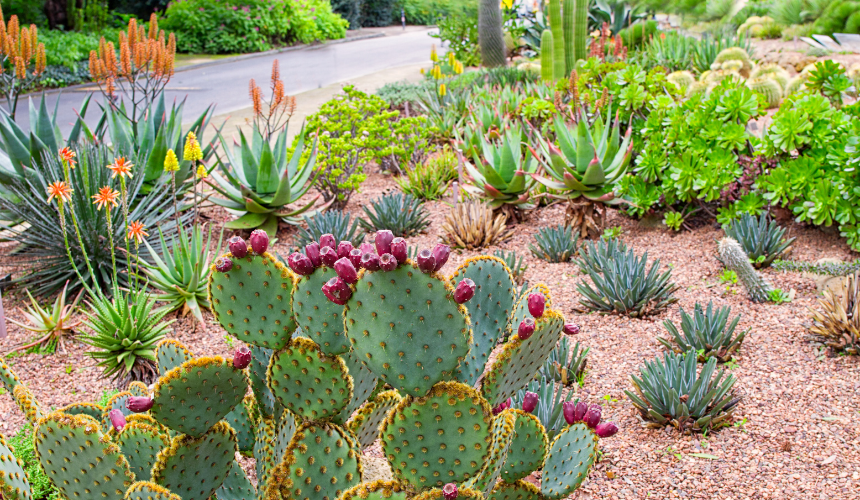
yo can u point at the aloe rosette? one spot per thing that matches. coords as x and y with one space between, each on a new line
501 171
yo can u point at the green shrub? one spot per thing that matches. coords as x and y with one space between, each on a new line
459 31
350 10
377 12
637 34
68 47
430 180
28 12
423 12
834 19
398 94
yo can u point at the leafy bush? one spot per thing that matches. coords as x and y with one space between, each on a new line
399 213
841 16
377 12
705 332
28 12
459 31
555 244
430 180
67 47
23 448
349 10
332 222
638 33
424 12
240 26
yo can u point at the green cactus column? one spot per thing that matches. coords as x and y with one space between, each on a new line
490 35
556 24
546 55
579 31
570 33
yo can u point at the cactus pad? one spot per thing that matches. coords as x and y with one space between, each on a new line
463 493
489 310
8 377
13 479
309 383
519 490
138 389
364 384
145 490
528 448
319 318
240 420
521 310
258 370
140 444
365 424
286 429
375 490
519 359
90 409
27 403
503 435
191 398
570 457
116 402
264 450
417 434
170 353
79 459
195 467
405 326
321 462
253 301
236 486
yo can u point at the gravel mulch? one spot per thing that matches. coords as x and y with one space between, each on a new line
794 435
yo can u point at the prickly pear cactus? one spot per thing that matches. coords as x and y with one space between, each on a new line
364 384
140 443
321 462
528 447
439 438
264 450
253 300
321 319
503 434
489 310
405 326
570 457
194 396
138 389
80 460
365 424
308 382
462 494
116 402
145 490
8 377
170 353
521 309
519 490
14 484
520 359
376 490
236 486
258 373
27 403
89 409
240 420
195 467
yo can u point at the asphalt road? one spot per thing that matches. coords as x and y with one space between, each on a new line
226 84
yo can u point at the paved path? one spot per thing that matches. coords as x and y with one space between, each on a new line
226 84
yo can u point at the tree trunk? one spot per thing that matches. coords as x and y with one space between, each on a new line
55 11
490 36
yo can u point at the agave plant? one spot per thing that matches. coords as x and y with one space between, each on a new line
836 323
471 225
515 263
181 272
501 173
400 213
670 391
555 244
706 333
261 181
584 168
125 332
334 222
565 365
551 397
762 241
621 281
54 324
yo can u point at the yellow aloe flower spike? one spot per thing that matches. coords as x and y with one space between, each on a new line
192 148
442 90
171 163
201 172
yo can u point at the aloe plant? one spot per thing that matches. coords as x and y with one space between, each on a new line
261 180
54 324
585 166
501 172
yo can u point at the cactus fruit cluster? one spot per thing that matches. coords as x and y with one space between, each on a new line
342 347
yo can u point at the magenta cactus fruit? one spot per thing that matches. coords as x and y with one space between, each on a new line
441 252
343 249
465 290
568 409
367 248
387 262
139 404
526 329
328 256
530 402
606 429
592 416
344 268
537 302
259 241
579 412
399 249
241 357
337 291
223 264
355 257
312 250
426 261
571 329
238 247
502 406
383 241
300 263
370 261
449 491
117 419
328 240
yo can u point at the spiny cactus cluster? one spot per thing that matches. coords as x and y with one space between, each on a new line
345 347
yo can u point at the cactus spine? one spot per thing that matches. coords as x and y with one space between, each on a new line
546 55
734 258
556 24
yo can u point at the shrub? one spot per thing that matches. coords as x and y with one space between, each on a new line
399 213
397 94
459 31
839 17
377 12
64 48
430 180
638 33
